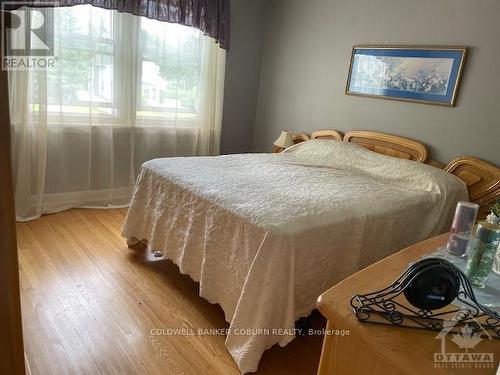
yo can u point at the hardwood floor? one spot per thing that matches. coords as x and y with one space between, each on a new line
89 304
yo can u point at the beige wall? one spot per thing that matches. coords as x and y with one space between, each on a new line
306 57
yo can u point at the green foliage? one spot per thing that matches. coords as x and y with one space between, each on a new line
178 66
496 208
78 60
73 60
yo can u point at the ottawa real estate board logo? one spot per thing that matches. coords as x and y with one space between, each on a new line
27 35
462 349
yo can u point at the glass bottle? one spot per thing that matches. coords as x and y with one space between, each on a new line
482 254
496 262
461 229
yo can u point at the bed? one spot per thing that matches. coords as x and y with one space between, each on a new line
266 234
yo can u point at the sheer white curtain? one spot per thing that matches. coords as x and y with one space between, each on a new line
125 89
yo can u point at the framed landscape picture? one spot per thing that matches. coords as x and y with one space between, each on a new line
419 74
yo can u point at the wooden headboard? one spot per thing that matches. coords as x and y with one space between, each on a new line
387 144
482 180
300 137
327 134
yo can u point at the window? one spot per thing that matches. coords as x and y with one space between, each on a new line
95 57
124 90
170 68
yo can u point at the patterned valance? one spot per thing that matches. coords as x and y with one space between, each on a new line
210 16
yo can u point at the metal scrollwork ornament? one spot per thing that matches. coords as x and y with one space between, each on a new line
429 288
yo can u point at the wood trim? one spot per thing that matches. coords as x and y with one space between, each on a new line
327 134
277 149
345 355
300 137
482 180
11 336
387 144
297 138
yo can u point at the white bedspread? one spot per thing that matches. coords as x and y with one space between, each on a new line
266 234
